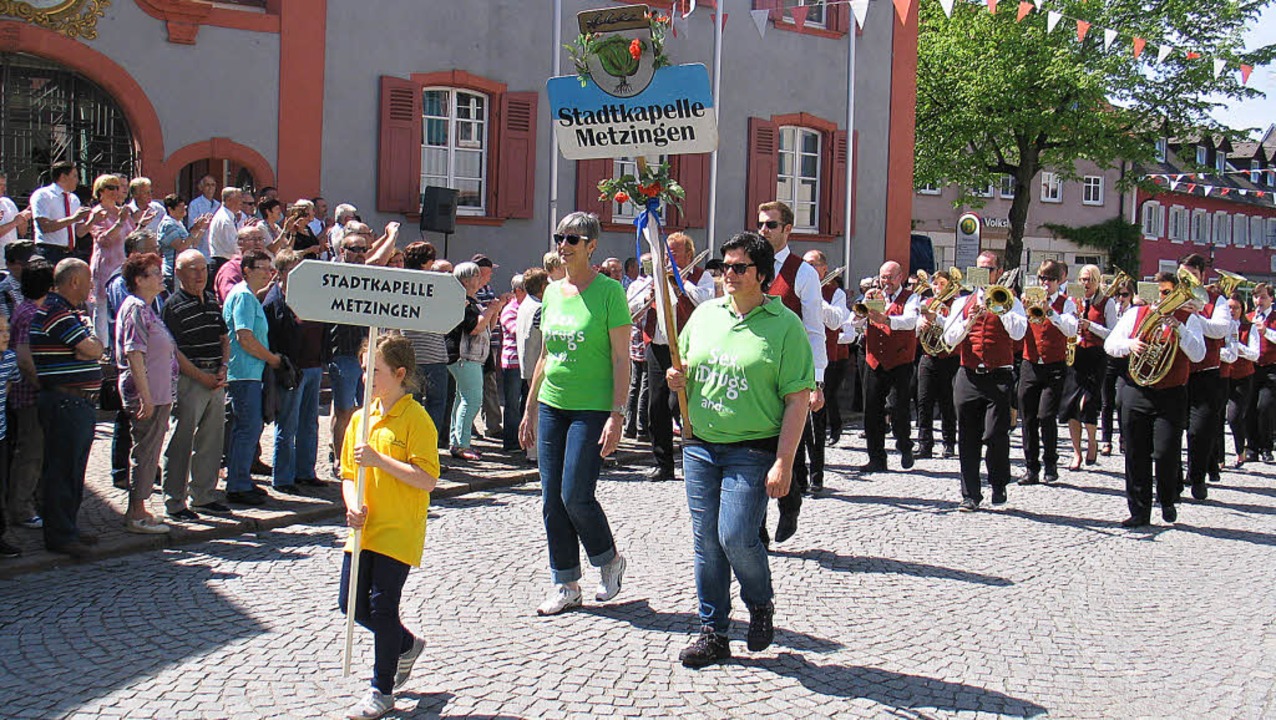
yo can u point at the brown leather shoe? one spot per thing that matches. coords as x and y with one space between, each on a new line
75 549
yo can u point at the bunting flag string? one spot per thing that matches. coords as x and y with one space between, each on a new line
1178 182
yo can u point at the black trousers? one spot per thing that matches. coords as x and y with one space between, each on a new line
1152 423
1115 369
1040 391
791 504
877 387
813 440
935 378
636 407
661 406
1262 409
834 377
983 421
1239 397
1206 399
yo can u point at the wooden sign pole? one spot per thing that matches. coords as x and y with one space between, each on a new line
352 591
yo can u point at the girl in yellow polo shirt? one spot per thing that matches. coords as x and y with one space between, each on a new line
402 465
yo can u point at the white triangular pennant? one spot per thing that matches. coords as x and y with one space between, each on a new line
1218 67
1162 53
860 8
1052 19
947 5
760 18
690 10
1109 37
1208 189
1174 184
1243 192
1038 3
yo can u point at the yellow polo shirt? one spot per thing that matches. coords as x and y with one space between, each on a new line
396 510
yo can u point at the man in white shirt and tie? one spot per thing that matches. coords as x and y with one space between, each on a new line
59 219
206 203
223 231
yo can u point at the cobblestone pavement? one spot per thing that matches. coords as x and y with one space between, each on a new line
889 604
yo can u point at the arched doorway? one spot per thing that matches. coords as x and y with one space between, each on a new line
49 113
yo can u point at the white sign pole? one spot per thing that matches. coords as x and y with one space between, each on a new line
712 226
352 593
553 137
850 143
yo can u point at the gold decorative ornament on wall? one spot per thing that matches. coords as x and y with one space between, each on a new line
73 18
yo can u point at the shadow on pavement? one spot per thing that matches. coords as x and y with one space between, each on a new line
428 705
640 614
897 690
842 563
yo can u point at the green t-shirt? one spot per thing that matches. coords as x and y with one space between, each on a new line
575 332
740 369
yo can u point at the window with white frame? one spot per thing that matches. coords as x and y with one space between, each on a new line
455 145
984 192
1008 187
816 12
1240 231
1220 161
1200 227
1092 190
628 166
1153 220
1167 266
1271 232
1256 234
1051 187
1178 223
1201 154
1222 228
1160 149
928 189
1255 174
1083 260
798 177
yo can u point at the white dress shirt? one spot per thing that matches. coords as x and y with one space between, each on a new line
223 236
1110 317
200 207
8 211
47 203
1191 336
835 312
1065 321
906 320
1259 328
697 293
1220 323
155 207
1015 321
807 288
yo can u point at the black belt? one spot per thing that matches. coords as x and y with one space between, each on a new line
89 395
987 370
208 365
768 445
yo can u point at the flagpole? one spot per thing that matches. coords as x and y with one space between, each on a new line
718 19
557 44
850 138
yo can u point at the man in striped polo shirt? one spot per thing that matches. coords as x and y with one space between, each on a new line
66 356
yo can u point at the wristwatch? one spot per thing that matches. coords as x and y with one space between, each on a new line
819 385
618 410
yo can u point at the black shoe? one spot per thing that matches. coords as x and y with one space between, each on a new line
785 528
213 508
291 489
257 490
631 434
834 439
1199 492
708 648
644 436
184 515
1133 522
761 629
950 450
121 483
906 459
816 488
999 496
925 452
764 536
260 468
13 551
1215 475
872 466
1169 513
1267 456
311 482
245 498
968 505
75 549
659 474
1052 475
1029 478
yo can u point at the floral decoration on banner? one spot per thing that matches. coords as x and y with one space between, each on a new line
620 56
653 183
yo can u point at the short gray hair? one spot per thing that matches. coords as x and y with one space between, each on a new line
229 193
466 271
344 209
581 223
516 282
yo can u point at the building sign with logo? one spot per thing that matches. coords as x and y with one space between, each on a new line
968 238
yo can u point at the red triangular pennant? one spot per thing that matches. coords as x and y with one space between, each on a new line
798 12
1139 44
1190 187
1245 71
1260 193
1024 9
1193 55
992 7
903 8
1082 28
1223 191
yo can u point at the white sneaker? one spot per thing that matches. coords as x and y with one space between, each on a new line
374 706
146 526
562 597
612 575
406 661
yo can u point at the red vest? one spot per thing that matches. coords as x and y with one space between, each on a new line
1177 377
1044 343
1267 348
1212 345
682 310
784 286
835 350
1243 367
888 348
1094 312
988 344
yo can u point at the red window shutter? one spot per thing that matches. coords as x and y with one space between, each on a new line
763 167
839 17
692 173
399 147
834 197
588 173
516 167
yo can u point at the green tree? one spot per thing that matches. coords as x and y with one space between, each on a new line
997 97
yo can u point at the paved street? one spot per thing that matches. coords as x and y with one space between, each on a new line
889 603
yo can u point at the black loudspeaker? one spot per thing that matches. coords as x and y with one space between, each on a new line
438 210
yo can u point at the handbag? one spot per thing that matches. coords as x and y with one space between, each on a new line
109 398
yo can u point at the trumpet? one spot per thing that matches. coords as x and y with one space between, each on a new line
869 304
1158 332
694 262
998 299
1034 301
832 275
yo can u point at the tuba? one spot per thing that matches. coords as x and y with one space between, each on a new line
1157 332
932 337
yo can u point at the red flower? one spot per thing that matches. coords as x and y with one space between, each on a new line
622 197
651 190
635 48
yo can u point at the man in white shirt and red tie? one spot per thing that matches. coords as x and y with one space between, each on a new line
985 343
797 284
1042 376
890 346
1262 409
59 218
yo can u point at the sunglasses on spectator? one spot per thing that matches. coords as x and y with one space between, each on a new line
769 224
737 268
569 239
1123 294
359 249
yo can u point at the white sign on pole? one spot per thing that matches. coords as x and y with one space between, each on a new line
373 296
968 235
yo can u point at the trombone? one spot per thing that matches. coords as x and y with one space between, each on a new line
832 275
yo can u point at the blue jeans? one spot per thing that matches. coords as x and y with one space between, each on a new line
469 399
346 377
297 430
68 422
512 385
567 441
245 431
726 493
433 395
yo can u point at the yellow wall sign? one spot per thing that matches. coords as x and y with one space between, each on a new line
73 18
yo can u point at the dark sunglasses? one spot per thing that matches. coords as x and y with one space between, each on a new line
1166 292
1123 294
737 268
769 224
569 239
1044 279
357 249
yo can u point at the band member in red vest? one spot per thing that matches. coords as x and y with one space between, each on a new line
1262 409
1124 298
1238 357
662 405
935 376
1152 417
1083 393
890 346
1205 401
798 286
833 312
1042 375
985 344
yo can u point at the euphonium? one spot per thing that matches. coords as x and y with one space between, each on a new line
998 299
1157 332
931 337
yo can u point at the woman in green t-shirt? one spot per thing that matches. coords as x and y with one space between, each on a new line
749 375
575 409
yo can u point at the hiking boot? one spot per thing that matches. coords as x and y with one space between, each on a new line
707 649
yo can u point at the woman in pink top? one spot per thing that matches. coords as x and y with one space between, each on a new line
109 223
